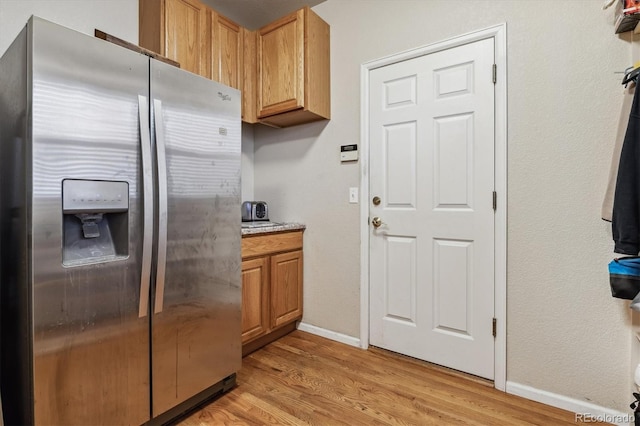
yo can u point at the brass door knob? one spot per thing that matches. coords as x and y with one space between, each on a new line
376 222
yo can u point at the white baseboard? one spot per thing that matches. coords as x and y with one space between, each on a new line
323 332
589 412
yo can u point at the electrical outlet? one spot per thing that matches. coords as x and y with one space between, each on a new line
353 195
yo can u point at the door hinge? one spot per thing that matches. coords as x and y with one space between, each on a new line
495 200
495 73
495 327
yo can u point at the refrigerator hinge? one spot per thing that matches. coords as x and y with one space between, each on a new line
495 327
495 200
495 73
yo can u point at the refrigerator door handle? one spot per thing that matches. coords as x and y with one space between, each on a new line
147 190
162 204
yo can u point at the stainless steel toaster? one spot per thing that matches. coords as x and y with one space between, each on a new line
255 211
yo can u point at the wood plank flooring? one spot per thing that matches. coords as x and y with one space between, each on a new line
305 379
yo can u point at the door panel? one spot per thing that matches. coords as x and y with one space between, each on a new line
401 264
281 65
255 297
186 35
227 48
453 161
432 164
196 334
451 285
400 149
286 287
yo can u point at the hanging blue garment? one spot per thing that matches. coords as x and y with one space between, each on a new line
624 277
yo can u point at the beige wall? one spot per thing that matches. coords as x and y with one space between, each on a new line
566 334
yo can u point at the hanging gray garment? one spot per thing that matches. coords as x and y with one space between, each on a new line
623 121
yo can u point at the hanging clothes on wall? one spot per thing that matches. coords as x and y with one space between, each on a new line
625 222
622 200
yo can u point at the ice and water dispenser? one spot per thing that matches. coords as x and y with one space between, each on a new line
95 221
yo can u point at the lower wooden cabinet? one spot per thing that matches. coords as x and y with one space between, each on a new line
255 298
286 288
272 268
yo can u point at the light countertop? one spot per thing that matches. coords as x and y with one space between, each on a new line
263 228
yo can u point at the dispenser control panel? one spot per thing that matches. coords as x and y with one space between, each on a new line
80 196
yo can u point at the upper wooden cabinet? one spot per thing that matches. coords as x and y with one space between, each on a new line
233 60
250 74
293 70
226 51
281 69
203 42
179 30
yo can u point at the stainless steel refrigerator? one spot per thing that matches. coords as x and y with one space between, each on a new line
120 233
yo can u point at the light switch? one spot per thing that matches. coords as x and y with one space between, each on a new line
353 195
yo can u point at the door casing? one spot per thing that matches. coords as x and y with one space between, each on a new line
499 34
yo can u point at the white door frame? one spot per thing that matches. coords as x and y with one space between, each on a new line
499 33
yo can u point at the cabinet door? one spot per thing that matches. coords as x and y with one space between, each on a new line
255 296
249 74
186 35
281 65
227 46
286 287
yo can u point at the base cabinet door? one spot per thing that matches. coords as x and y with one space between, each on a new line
255 296
286 288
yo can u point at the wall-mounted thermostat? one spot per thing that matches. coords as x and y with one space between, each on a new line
349 153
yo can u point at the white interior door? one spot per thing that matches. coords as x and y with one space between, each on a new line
432 166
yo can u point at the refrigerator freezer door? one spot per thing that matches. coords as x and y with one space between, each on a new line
90 349
196 333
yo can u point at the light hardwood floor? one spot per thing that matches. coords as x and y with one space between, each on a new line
306 379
